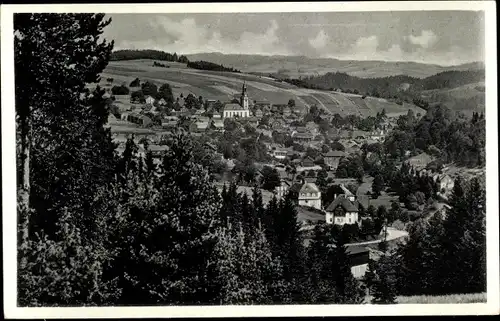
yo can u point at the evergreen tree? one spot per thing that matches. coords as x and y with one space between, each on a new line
289 246
246 271
169 240
383 282
65 169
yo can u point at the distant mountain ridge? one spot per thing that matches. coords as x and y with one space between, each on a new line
295 66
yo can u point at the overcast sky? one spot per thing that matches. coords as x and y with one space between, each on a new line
439 37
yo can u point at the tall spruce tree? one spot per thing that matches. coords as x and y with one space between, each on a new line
290 246
66 159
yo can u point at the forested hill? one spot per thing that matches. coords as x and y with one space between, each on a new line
387 87
165 56
147 54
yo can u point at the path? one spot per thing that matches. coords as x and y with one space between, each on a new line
392 234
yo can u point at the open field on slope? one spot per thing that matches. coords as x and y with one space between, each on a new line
222 86
466 99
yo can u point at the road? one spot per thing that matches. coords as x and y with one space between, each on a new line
392 234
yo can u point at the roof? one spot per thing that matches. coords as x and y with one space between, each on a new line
351 250
295 187
309 188
343 201
232 106
334 153
218 123
302 130
345 190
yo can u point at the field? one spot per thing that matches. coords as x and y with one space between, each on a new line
222 86
443 299
466 99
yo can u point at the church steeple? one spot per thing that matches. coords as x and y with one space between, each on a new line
244 96
244 88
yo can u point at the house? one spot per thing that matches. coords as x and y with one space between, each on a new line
287 112
446 183
279 153
310 195
282 189
345 208
302 137
308 162
150 100
218 125
157 150
139 119
198 126
378 135
332 158
242 109
162 102
359 256
420 161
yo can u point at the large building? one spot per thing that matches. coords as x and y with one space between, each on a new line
240 110
310 195
345 208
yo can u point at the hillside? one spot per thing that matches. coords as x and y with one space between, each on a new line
223 85
295 66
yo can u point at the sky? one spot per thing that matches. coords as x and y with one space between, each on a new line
435 37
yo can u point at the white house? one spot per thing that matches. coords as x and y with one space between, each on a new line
150 100
310 195
282 189
279 153
345 208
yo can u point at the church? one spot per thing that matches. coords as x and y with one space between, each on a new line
240 110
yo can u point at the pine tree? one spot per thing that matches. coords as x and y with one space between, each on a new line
65 169
383 282
290 246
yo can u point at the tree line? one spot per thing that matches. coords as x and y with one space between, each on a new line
205 65
128 54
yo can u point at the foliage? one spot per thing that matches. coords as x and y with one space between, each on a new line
128 54
205 65
120 90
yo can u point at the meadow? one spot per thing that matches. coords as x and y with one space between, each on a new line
223 85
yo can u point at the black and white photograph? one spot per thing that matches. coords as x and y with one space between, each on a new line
259 155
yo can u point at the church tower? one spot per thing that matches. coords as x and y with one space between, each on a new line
244 97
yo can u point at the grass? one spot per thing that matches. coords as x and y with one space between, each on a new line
443 299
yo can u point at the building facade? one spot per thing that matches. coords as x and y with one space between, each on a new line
310 195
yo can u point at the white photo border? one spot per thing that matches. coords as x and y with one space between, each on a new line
9 162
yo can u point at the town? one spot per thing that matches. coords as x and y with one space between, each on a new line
150 178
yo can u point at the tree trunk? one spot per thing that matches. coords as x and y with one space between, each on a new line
24 184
